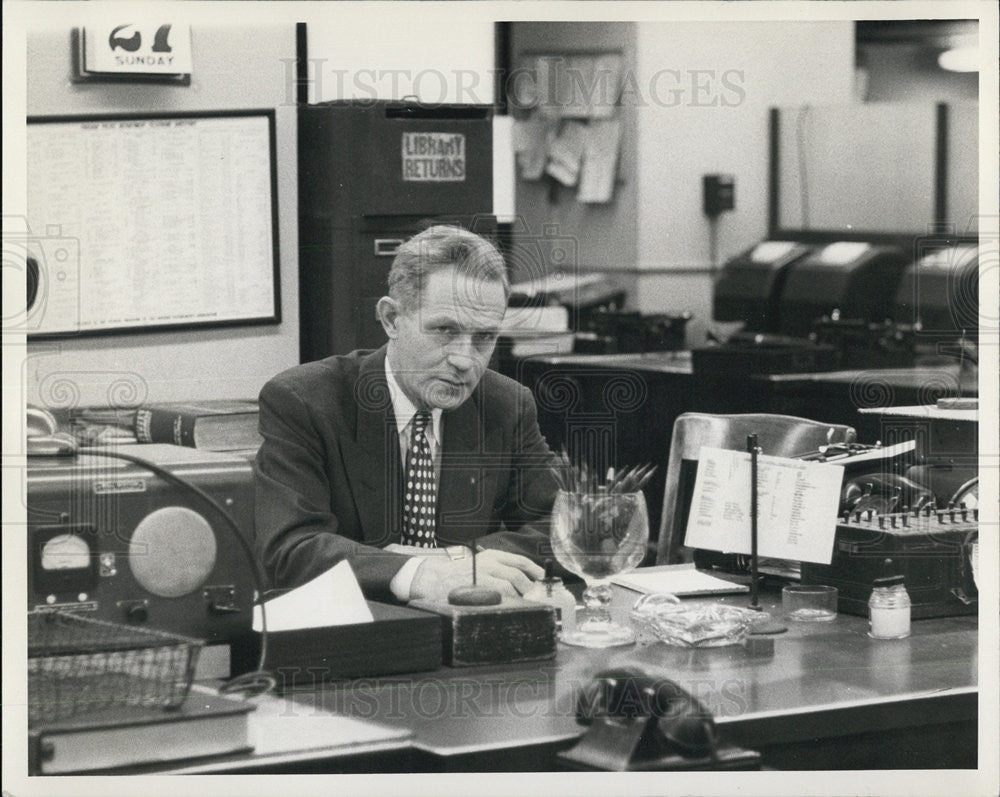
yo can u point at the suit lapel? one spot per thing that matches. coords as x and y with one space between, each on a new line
465 460
374 467
375 470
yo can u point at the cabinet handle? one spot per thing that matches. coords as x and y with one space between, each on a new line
386 247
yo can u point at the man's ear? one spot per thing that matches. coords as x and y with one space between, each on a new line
388 313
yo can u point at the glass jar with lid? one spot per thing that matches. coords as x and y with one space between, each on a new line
889 609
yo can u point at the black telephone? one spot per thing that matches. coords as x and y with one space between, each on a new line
883 493
641 723
43 438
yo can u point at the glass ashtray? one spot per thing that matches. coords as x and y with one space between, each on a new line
691 626
809 602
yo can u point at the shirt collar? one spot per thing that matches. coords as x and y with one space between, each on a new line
404 410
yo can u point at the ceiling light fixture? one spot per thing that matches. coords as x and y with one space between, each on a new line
961 59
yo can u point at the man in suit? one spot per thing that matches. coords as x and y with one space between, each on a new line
404 458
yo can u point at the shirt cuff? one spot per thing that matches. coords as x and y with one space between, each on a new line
401 582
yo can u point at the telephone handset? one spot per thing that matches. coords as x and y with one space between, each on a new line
883 493
637 722
43 438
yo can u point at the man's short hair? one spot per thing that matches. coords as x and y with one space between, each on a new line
443 246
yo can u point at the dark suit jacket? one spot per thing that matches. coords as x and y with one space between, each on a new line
328 472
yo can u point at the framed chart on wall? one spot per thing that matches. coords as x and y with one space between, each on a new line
149 222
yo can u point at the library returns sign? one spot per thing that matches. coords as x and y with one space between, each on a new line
123 51
433 157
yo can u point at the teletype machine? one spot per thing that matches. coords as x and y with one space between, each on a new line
937 298
815 306
811 306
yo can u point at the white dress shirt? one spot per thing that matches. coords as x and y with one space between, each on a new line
404 411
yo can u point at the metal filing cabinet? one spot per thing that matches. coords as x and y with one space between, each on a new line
371 174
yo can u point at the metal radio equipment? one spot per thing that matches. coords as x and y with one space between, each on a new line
115 541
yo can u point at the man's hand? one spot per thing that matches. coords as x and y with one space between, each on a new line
510 574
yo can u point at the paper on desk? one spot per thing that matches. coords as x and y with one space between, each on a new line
332 598
276 728
677 580
885 452
797 506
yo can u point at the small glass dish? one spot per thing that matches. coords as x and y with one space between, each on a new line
809 603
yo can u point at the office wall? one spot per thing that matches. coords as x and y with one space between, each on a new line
654 230
697 102
235 67
605 234
837 161
406 52
716 120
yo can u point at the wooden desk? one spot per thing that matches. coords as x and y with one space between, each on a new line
828 697
622 407
844 396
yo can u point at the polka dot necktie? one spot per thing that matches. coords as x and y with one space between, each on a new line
420 490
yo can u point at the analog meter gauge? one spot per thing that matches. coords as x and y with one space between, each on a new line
64 560
65 552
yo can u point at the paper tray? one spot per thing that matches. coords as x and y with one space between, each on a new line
400 640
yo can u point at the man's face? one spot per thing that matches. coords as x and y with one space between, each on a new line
439 349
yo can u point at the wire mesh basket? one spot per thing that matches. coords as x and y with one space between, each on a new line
78 664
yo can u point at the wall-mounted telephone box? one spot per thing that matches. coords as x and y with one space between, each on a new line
372 174
749 287
855 278
718 193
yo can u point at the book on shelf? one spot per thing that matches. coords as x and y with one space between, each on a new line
214 425
109 416
98 426
128 735
89 433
